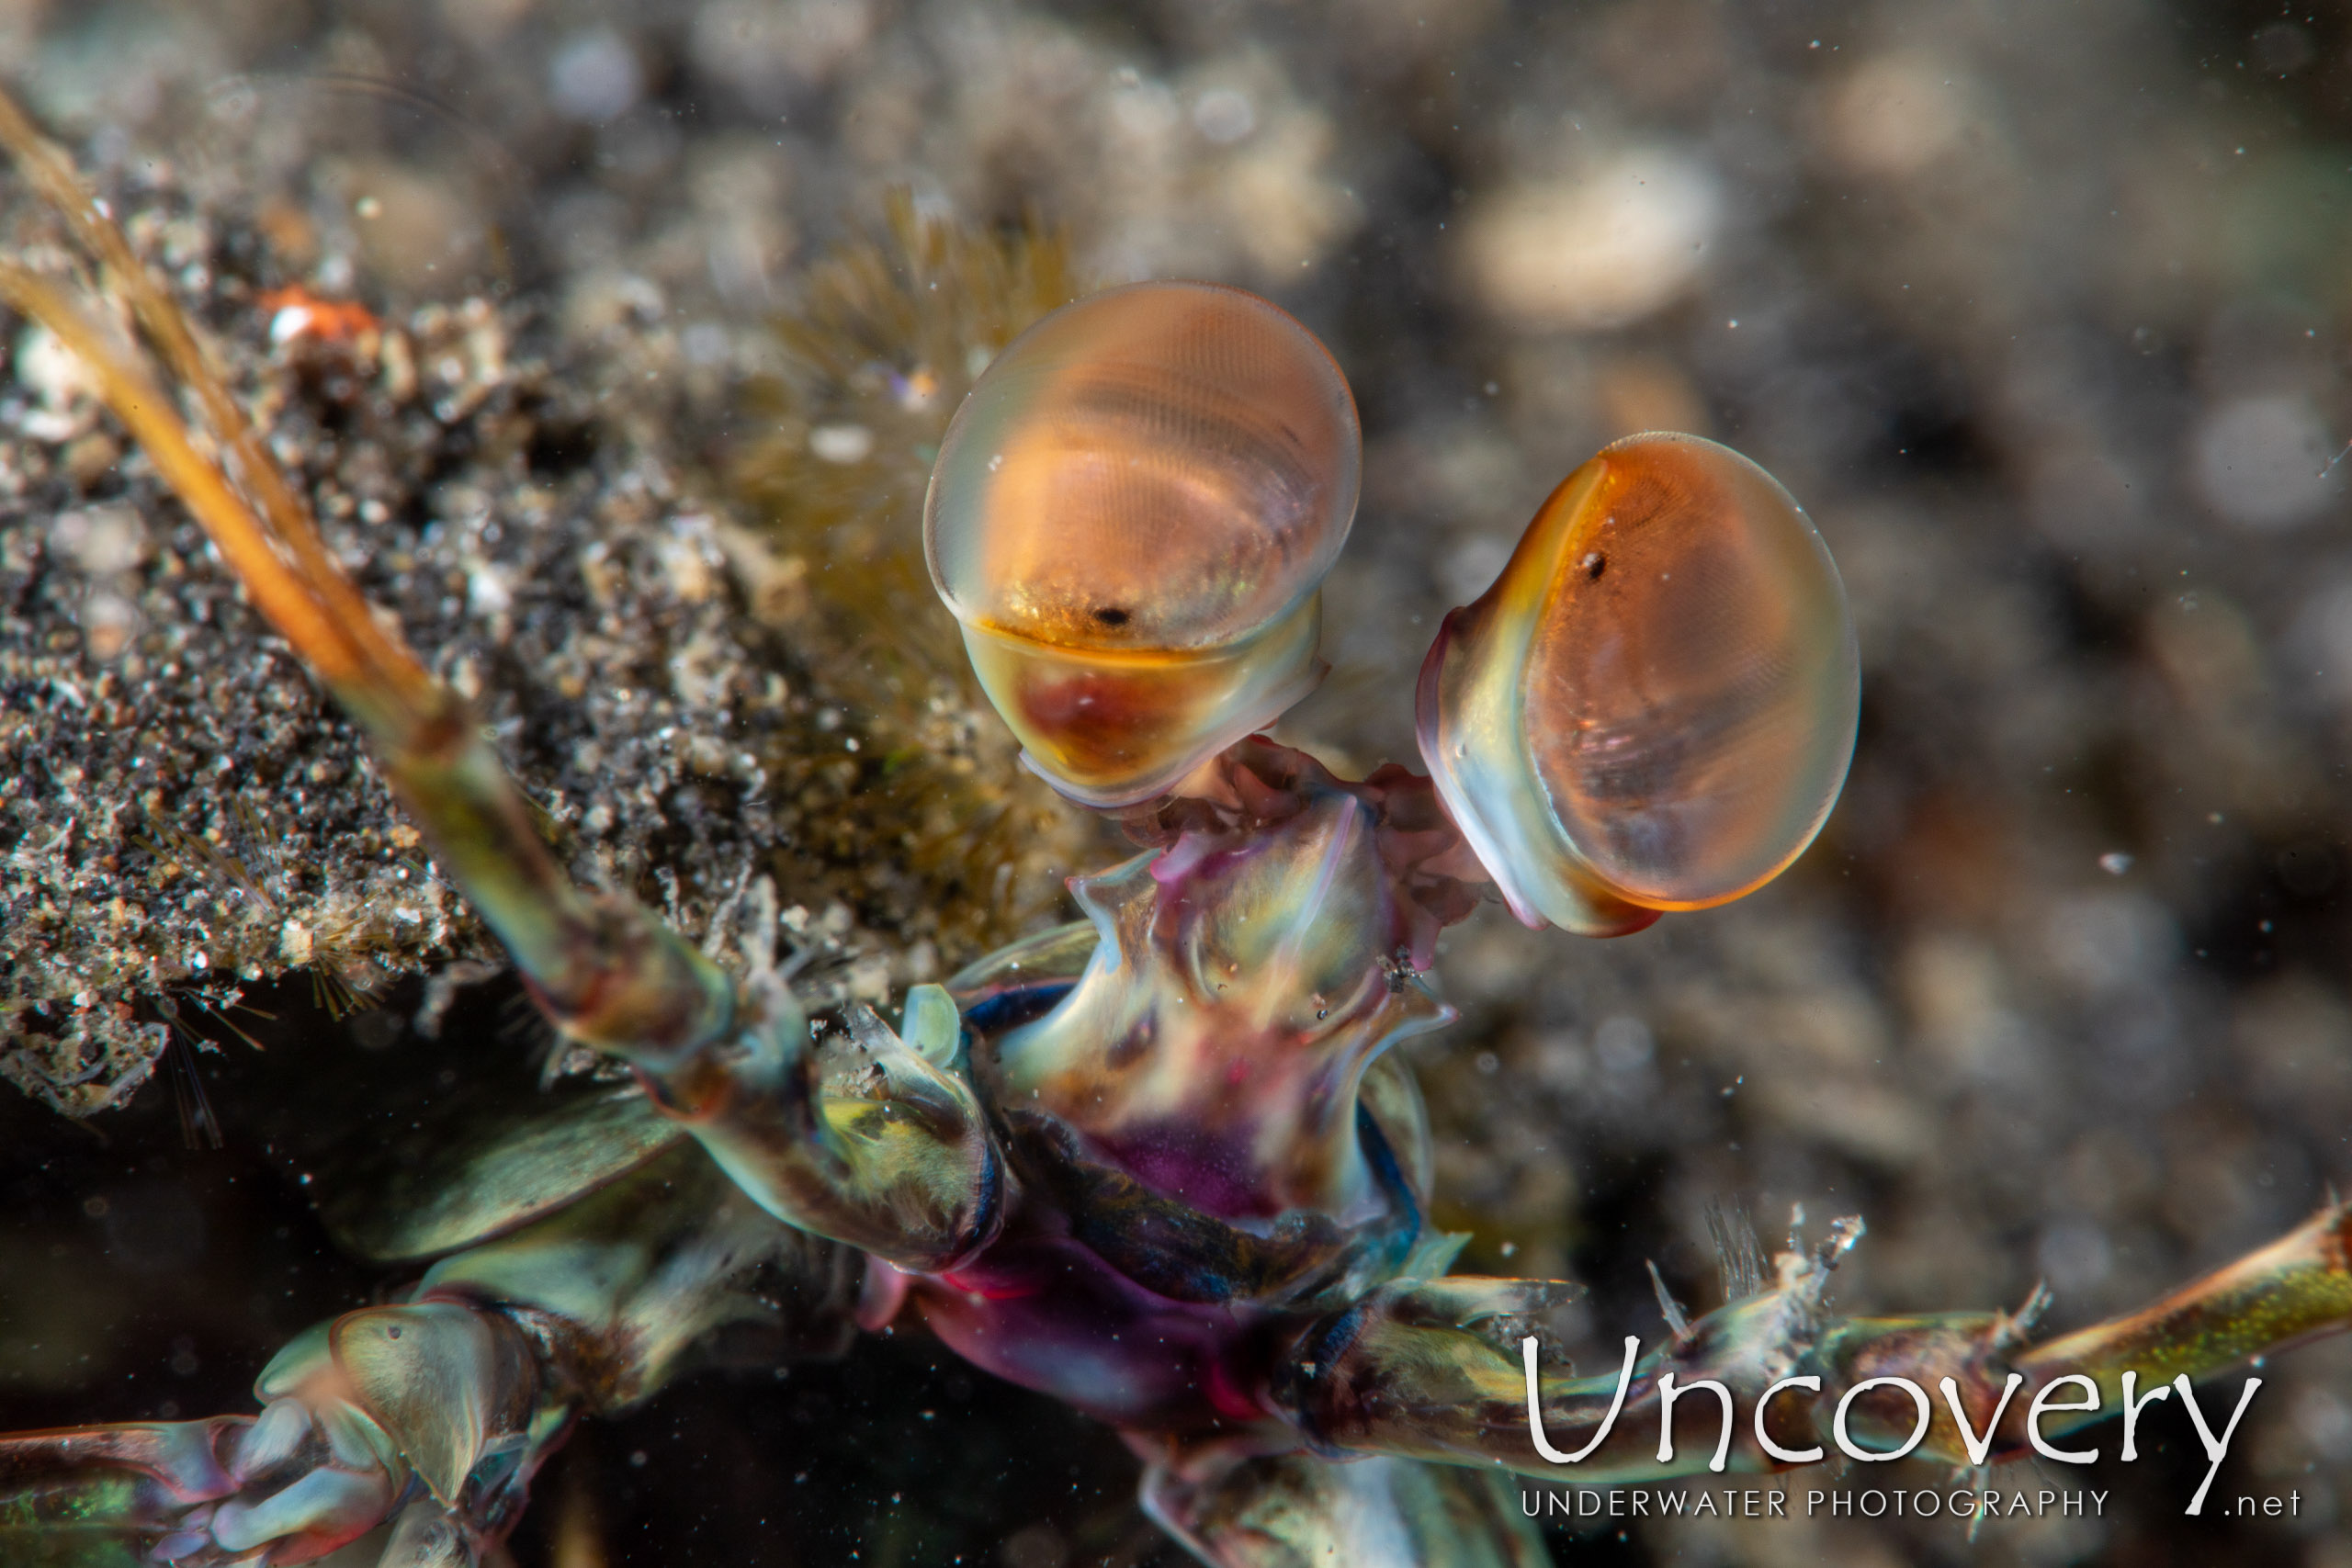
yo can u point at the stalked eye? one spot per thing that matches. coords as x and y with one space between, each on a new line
1131 514
1654 705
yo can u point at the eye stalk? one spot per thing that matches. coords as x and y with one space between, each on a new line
1654 706
1131 517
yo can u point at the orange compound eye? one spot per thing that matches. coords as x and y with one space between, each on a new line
1654 706
1131 515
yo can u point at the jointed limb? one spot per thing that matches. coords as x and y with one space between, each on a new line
892 1155
427 1416
604 971
430 1416
1440 1371
904 1167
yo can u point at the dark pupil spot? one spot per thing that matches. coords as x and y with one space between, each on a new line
1594 565
1112 617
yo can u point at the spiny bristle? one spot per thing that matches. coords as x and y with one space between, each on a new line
904 776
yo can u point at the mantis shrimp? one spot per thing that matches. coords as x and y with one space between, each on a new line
1155 1163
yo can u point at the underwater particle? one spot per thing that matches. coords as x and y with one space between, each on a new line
2281 48
2108 943
1039 1545
2115 863
841 443
595 76
1896 115
1623 1044
1224 115
1603 249
297 315
2074 1254
764 48
109 622
2262 461
101 540
48 369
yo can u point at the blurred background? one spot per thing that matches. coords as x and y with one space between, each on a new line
2044 311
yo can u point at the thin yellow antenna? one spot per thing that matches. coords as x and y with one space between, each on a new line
604 970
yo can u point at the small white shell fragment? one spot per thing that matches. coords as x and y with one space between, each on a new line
842 444
1601 250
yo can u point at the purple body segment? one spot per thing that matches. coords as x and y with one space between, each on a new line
1246 976
1046 1313
1197 1170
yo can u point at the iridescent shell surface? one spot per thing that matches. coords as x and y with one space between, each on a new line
1654 706
1130 516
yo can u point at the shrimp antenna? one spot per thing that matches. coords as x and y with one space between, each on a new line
603 968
